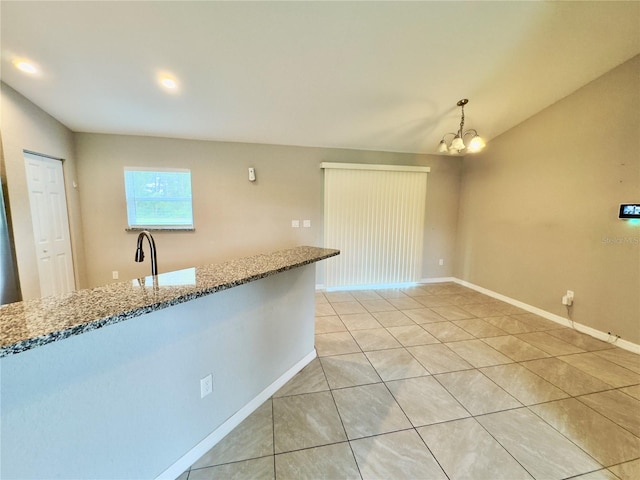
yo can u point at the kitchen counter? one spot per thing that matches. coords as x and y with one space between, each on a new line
82 401
33 323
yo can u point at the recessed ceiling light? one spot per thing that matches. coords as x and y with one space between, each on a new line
169 83
25 66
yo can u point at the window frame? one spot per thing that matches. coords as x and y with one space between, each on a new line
130 199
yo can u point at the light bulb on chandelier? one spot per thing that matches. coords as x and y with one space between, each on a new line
457 144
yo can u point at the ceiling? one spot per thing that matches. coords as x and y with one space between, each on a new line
364 75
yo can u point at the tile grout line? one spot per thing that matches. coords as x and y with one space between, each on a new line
513 361
482 339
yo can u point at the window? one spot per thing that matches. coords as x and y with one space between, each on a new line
158 198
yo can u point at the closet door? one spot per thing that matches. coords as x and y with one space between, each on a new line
48 202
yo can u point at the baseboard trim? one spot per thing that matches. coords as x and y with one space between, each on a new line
189 458
377 286
438 280
624 344
386 285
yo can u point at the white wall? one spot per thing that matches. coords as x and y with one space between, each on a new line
25 126
123 402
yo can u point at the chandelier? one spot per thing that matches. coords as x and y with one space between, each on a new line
457 144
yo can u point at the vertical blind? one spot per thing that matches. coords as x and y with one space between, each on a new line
375 215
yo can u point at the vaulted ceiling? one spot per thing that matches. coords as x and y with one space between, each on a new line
366 75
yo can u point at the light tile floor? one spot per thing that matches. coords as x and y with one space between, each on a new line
436 382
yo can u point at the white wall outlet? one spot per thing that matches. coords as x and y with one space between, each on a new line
568 298
441 262
306 223
206 386
295 223
115 275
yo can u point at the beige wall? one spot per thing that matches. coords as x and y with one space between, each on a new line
538 209
537 213
234 217
24 126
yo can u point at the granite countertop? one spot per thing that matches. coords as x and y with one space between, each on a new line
33 323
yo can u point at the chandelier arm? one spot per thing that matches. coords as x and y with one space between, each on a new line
450 133
471 131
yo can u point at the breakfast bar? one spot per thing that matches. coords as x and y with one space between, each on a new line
106 382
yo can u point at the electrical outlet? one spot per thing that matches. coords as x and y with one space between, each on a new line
295 223
306 223
206 386
115 275
568 298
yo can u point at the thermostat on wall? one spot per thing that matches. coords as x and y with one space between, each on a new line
629 210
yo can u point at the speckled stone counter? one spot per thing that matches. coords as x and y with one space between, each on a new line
126 401
33 323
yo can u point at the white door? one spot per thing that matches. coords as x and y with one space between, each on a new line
50 224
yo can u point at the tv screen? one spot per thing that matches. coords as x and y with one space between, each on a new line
629 210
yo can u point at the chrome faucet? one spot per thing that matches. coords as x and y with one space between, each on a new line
152 246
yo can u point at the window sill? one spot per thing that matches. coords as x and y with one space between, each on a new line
151 229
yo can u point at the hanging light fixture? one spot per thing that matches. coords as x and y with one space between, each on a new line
457 144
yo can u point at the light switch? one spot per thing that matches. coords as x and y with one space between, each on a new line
306 223
295 223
